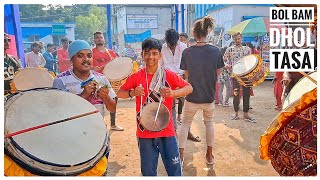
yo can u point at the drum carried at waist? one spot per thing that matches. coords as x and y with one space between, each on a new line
250 70
153 121
66 149
117 71
290 141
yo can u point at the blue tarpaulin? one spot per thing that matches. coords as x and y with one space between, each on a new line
12 26
132 38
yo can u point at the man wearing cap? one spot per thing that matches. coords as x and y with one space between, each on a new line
72 80
81 80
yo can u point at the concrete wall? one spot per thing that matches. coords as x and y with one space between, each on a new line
230 16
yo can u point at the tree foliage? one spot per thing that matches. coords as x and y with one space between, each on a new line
88 18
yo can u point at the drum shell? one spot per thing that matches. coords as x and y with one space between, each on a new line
290 141
35 164
148 115
253 76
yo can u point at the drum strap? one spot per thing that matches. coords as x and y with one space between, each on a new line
153 97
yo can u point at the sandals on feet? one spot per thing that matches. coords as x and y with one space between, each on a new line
209 162
194 138
234 118
250 119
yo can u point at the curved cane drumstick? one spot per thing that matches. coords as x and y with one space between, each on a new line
49 124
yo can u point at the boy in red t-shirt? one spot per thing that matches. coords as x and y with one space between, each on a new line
164 142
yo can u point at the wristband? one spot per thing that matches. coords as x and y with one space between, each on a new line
129 93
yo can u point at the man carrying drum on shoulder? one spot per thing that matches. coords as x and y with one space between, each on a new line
11 65
233 54
150 84
101 57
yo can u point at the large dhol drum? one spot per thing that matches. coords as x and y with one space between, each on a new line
117 71
290 141
149 113
66 149
30 78
250 70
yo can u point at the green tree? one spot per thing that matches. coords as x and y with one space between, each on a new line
94 21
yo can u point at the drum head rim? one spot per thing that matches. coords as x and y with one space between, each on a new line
125 75
29 151
252 68
159 129
21 87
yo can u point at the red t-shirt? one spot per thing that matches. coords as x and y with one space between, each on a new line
174 82
102 58
63 58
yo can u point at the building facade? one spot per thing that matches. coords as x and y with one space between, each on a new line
46 32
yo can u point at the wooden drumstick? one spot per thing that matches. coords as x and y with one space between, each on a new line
309 77
155 119
141 102
49 124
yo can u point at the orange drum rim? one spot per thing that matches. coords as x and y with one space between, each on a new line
304 102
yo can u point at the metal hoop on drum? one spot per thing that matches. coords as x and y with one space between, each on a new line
117 71
69 152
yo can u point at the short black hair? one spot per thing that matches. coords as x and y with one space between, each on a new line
192 40
50 45
151 43
171 37
184 35
36 43
65 39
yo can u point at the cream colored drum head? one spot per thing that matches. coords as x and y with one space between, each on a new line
118 69
303 86
245 65
30 78
148 115
67 143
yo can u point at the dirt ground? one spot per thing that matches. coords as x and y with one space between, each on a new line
235 143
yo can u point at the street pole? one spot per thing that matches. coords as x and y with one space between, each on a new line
109 30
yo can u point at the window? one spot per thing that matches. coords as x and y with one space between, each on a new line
33 38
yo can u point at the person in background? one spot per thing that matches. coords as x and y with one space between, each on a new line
202 64
233 54
192 42
183 37
171 58
11 65
102 56
63 57
255 42
277 90
50 59
128 52
35 58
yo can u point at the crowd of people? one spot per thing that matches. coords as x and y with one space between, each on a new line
183 71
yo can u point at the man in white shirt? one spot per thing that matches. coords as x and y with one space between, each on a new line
35 58
171 58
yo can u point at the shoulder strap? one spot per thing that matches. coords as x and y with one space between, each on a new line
109 54
11 58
